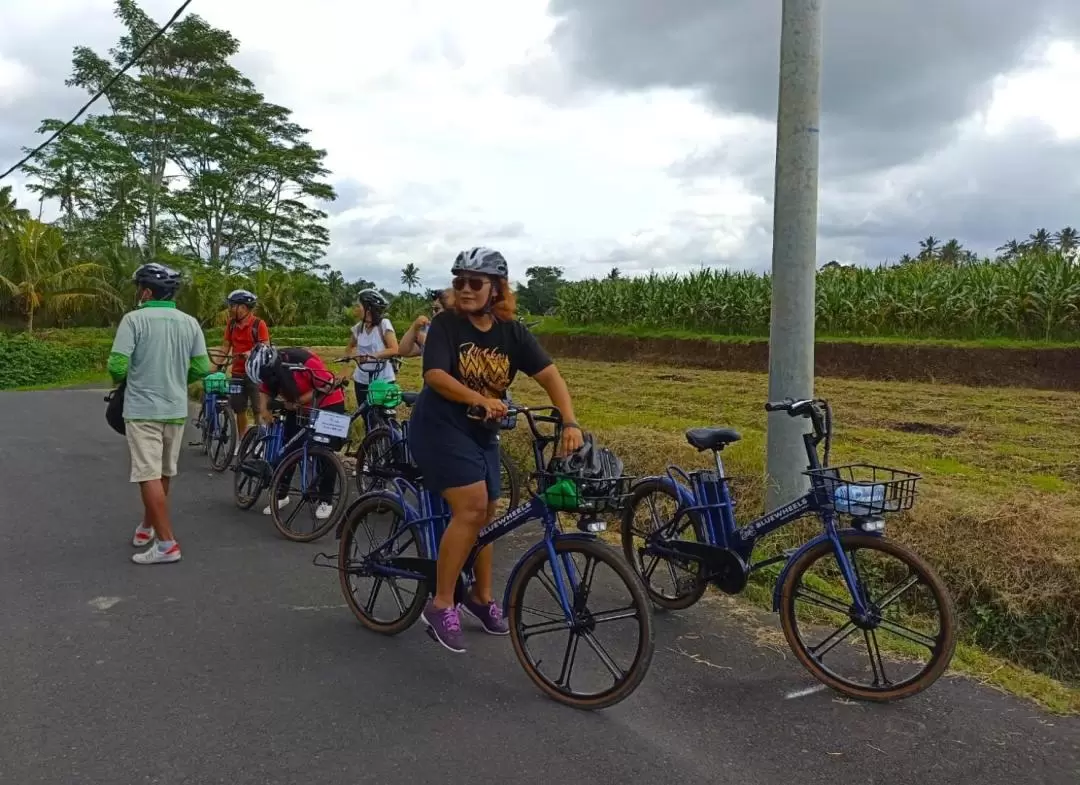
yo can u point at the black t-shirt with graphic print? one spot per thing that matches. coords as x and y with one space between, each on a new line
483 361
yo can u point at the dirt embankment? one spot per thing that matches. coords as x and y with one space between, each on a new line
1040 369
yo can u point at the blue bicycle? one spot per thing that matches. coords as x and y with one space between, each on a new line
269 461
851 577
216 422
391 538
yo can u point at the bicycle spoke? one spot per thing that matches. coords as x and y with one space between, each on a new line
555 625
373 596
603 617
572 641
615 671
821 649
908 634
815 597
877 663
894 593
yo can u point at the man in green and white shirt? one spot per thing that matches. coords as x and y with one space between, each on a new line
159 351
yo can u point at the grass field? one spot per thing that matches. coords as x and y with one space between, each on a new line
998 514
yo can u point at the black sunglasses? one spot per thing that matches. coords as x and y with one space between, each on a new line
476 284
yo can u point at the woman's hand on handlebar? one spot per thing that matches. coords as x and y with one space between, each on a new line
494 409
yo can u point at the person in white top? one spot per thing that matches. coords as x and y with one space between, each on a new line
372 340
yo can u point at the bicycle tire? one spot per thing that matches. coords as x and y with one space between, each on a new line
294 457
203 426
946 639
513 478
356 514
622 688
246 501
679 600
376 446
222 458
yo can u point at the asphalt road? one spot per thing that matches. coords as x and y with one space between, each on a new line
241 665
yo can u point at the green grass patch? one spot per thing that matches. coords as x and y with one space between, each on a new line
553 325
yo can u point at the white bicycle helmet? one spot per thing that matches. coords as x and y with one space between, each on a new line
261 357
241 297
481 260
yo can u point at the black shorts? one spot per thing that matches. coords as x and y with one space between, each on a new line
450 458
249 396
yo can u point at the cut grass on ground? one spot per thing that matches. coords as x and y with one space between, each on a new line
998 514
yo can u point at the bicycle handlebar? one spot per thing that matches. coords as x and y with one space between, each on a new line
816 410
531 417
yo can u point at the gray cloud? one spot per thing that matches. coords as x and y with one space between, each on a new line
897 76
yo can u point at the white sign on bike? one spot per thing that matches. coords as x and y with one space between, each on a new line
332 424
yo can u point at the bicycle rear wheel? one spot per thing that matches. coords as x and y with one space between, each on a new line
534 584
308 470
907 623
374 532
651 512
222 441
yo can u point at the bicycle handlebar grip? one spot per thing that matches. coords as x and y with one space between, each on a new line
777 406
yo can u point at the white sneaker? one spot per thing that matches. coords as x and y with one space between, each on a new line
323 511
143 536
281 503
155 555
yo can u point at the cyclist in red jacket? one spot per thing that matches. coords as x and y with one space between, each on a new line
299 378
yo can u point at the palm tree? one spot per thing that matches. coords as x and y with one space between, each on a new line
928 248
951 253
1010 250
615 274
1067 240
410 276
10 214
36 273
1039 240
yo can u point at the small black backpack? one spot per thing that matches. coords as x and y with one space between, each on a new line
114 412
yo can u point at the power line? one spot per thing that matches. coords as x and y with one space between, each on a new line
100 92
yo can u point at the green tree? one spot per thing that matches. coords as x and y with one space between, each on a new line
410 276
1067 240
36 274
540 294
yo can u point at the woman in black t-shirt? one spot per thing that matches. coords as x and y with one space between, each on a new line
472 352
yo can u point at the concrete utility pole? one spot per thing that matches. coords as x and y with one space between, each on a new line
794 260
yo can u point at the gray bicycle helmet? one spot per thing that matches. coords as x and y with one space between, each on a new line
163 282
373 299
481 260
241 297
261 357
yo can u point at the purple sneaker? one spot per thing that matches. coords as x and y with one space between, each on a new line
444 626
488 615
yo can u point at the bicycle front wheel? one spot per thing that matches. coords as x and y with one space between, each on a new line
605 600
222 441
247 487
909 614
316 482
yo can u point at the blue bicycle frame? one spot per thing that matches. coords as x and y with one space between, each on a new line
725 555
428 520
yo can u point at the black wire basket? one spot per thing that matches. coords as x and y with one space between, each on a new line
864 490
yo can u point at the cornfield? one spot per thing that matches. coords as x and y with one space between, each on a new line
1035 296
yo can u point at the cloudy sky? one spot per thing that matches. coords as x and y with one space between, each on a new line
629 133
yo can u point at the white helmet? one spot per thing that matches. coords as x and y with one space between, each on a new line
261 357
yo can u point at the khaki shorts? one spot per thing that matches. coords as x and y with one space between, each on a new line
154 448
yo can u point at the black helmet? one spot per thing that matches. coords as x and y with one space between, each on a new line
481 260
373 299
597 471
163 282
241 297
